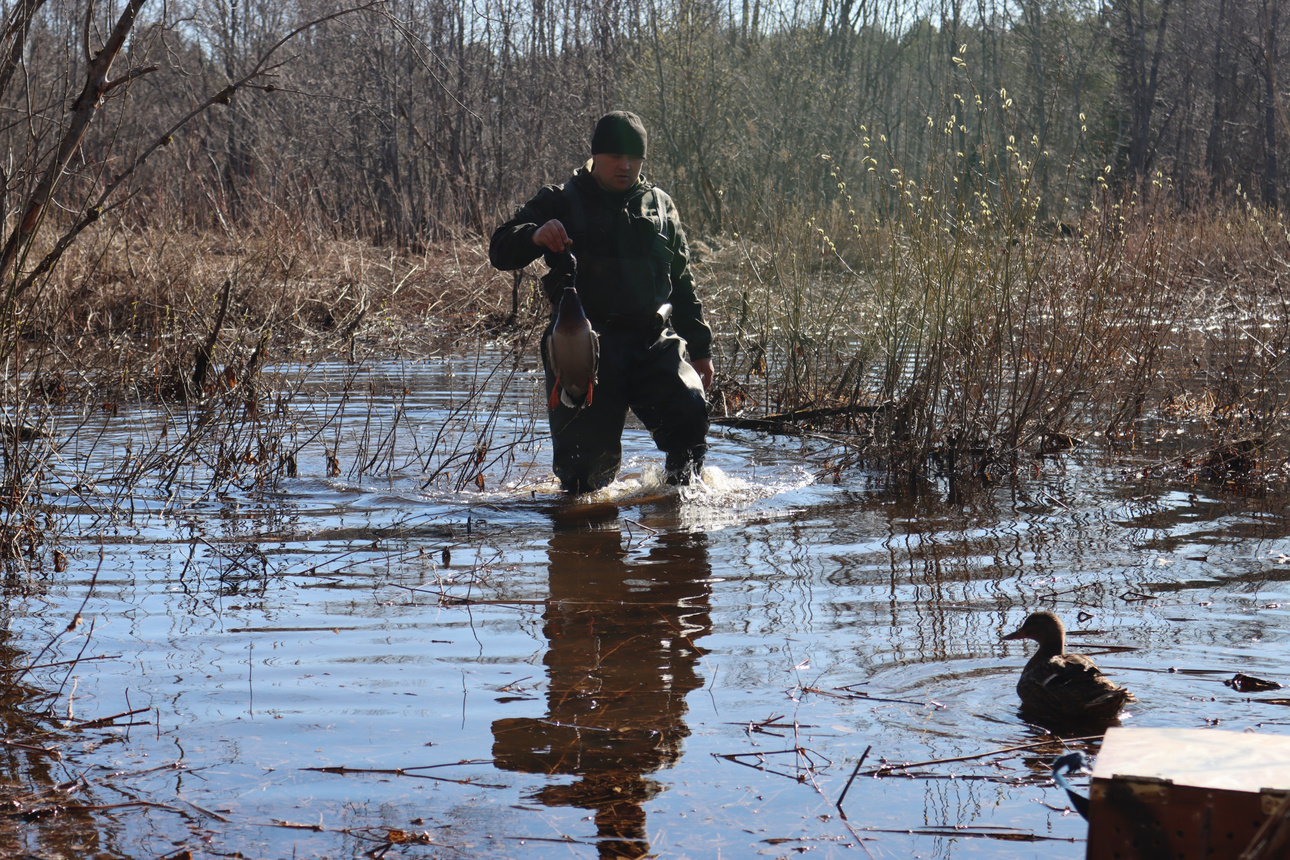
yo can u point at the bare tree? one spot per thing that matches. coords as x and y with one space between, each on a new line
1142 46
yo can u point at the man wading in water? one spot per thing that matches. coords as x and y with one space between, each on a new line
633 276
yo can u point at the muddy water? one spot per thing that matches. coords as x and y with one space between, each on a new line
359 665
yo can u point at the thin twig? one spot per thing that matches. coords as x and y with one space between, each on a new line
57 663
954 832
71 625
890 767
103 721
847 787
856 694
405 771
29 748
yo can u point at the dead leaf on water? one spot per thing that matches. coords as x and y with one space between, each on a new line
1242 683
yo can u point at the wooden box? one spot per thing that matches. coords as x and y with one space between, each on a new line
1188 794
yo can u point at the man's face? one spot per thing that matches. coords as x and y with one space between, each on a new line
615 171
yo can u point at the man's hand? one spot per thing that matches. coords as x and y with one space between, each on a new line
552 236
703 366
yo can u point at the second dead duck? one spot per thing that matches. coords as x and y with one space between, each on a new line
1056 687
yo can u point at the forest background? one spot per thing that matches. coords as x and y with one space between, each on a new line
419 121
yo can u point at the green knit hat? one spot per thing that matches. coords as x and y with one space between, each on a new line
620 133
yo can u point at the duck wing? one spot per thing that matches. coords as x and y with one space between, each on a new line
1070 686
573 351
575 360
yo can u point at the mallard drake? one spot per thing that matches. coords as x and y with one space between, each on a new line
572 349
1058 687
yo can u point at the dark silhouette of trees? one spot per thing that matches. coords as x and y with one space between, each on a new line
422 119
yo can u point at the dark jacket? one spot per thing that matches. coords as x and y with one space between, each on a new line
631 251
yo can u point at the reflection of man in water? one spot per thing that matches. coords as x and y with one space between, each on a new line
620 662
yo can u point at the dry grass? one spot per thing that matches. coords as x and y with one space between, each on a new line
966 350
220 332
131 308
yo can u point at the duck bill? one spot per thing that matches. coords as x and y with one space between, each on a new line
1016 634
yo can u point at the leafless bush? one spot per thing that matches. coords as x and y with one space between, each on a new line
958 328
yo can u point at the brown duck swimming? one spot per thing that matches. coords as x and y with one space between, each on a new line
1059 687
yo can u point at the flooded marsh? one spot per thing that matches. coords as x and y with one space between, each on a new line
286 573
373 665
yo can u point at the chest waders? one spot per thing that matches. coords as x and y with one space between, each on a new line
624 279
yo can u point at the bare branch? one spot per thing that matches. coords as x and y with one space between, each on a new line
85 35
263 66
128 76
83 111
15 36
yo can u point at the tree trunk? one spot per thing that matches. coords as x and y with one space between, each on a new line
1271 180
1140 75
1216 162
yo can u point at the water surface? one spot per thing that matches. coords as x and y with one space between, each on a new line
366 665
